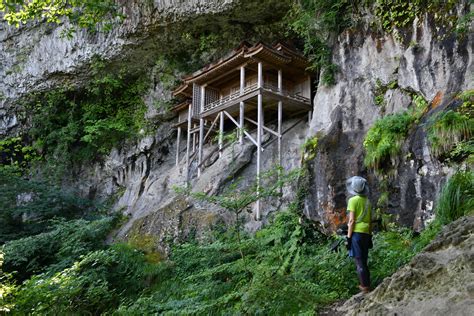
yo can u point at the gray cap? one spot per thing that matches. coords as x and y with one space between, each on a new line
357 186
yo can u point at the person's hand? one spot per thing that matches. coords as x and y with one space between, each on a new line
348 242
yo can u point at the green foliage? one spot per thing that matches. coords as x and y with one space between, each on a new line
27 206
450 132
287 268
398 14
71 126
89 14
56 249
15 153
384 139
309 148
315 21
456 198
96 283
380 90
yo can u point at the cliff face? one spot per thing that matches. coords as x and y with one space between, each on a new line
142 174
37 58
428 66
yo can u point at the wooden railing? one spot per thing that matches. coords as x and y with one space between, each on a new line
251 88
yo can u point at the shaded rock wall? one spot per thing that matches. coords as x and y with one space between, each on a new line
434 68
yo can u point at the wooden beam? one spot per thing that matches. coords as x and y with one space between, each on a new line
210 128
245 132
263 126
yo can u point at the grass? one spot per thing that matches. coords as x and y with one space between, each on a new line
456 198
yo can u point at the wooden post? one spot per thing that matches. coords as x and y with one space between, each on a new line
201 129
310 116
259 137
201 140
188 143
280 114
259 150
260 75
178 141
280 81
242 105
221 133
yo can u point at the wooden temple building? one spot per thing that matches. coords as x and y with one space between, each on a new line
249 87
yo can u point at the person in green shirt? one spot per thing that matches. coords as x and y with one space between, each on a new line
359 235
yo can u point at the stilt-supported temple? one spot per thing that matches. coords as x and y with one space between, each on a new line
251 85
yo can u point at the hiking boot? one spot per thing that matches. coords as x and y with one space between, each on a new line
364 289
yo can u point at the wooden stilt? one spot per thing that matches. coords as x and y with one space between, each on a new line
221 133
201 141
178 141
259 135
242 105
280 119
201 129
188 144
259 151
280 114
310 117
241 123
194 139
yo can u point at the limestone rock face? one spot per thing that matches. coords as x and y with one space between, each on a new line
438 281
36 57
433 68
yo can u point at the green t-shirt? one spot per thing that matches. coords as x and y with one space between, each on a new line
357 204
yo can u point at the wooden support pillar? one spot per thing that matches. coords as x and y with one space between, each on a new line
194 139
188 143
280 114
178 141
221 132
242 105
310 117
241 123
259 135
201 129
280 81
201 141
259 150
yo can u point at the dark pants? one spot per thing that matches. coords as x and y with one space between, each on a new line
360 252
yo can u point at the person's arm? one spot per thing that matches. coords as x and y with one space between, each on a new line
351 224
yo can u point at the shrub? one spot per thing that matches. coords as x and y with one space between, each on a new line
448 130
56 249
456 198
26 206
384 139
96 283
